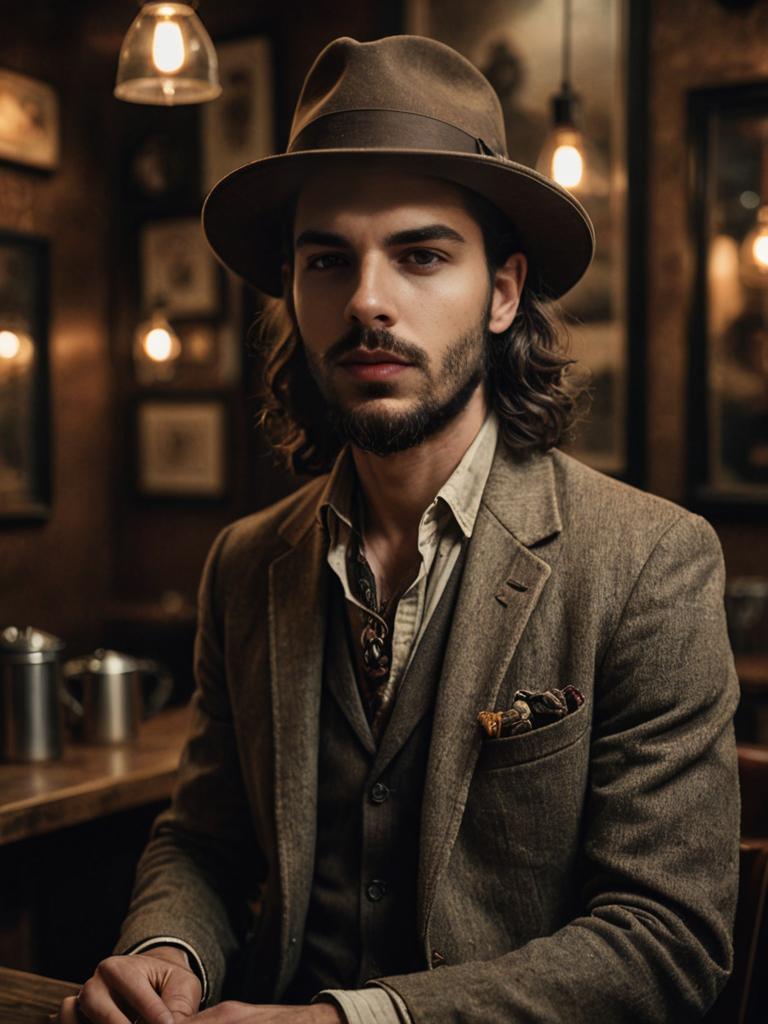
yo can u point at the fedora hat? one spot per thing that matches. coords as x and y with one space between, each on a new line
415 102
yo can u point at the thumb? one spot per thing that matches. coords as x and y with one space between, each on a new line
181 994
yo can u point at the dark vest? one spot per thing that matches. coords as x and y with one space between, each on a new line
361 922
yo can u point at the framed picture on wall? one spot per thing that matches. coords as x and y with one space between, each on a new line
728 393
181 447
29 121
518 45
178 273
24 419
238 126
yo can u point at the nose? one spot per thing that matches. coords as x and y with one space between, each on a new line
371 304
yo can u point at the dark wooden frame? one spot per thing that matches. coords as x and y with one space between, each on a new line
703 106
37 509
180 497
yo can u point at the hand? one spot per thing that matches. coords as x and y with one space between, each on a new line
249 1013
156 986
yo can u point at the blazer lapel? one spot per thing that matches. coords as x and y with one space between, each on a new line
297 618
501 585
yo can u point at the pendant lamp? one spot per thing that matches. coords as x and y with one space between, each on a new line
563 155
167 57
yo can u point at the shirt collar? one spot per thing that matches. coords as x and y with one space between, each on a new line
462 492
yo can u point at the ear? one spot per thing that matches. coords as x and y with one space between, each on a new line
508 284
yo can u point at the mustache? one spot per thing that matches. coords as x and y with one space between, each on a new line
362 337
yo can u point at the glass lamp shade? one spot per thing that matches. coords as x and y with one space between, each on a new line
167 58
563 158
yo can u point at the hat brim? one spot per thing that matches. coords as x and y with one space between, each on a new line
243 214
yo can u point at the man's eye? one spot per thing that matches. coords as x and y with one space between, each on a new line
423 257
325 261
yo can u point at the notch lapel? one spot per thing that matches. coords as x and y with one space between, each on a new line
297 617
501 585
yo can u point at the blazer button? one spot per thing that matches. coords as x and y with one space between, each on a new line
379 793
375 890
438 959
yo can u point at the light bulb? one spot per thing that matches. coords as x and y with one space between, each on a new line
567 166
10 345
760 249
158 344
168 47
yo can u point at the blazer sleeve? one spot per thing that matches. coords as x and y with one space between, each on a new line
202 860
652 941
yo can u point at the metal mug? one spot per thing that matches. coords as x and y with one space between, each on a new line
110 705
30 695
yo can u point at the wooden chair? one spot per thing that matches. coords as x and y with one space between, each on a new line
744 999
753 777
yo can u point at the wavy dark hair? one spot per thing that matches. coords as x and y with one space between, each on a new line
527 380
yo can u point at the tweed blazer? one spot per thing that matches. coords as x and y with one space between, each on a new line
586 870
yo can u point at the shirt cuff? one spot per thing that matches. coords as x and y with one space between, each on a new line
374 1005
196 965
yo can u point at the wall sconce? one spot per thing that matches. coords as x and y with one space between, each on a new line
167 57
17 351
753 252
156 350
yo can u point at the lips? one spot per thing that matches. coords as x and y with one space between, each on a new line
365 366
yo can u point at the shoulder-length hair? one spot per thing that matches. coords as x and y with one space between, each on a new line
527 380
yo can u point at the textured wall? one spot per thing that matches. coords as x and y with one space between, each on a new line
694 44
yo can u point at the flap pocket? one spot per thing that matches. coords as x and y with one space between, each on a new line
530 746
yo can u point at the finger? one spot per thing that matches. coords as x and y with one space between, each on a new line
120 993
68 1011
181 993
126 978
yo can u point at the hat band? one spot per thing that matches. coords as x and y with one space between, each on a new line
386 129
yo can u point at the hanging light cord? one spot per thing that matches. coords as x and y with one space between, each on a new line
567 10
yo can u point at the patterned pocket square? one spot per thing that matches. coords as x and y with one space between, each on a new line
530 711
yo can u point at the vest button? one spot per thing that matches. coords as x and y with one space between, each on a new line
438 958
375 890
379 793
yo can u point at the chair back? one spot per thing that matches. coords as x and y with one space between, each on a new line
744 1000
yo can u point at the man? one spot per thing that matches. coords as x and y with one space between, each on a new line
463 715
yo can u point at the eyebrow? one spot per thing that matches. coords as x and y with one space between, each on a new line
412 236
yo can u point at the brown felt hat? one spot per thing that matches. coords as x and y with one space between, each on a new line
420 104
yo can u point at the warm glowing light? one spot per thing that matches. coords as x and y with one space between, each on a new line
760 250
158 344
567 166
168 47
10 345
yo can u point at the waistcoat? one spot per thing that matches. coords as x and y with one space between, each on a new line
361 922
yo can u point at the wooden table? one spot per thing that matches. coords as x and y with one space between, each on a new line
30 999
91 781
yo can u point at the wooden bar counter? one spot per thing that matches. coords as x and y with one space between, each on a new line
91 781
30 999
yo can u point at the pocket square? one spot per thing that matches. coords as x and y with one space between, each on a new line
531 710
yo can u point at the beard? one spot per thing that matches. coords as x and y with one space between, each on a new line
439 399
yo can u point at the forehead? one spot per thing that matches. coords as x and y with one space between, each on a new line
345 197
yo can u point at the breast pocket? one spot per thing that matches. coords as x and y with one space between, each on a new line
532 746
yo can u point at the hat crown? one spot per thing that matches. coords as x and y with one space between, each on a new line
407 74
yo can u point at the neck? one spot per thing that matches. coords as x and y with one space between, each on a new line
397 488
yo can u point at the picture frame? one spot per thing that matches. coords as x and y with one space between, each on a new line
728 329
178 273
29 122
25 483
181 447
518 46
239 126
